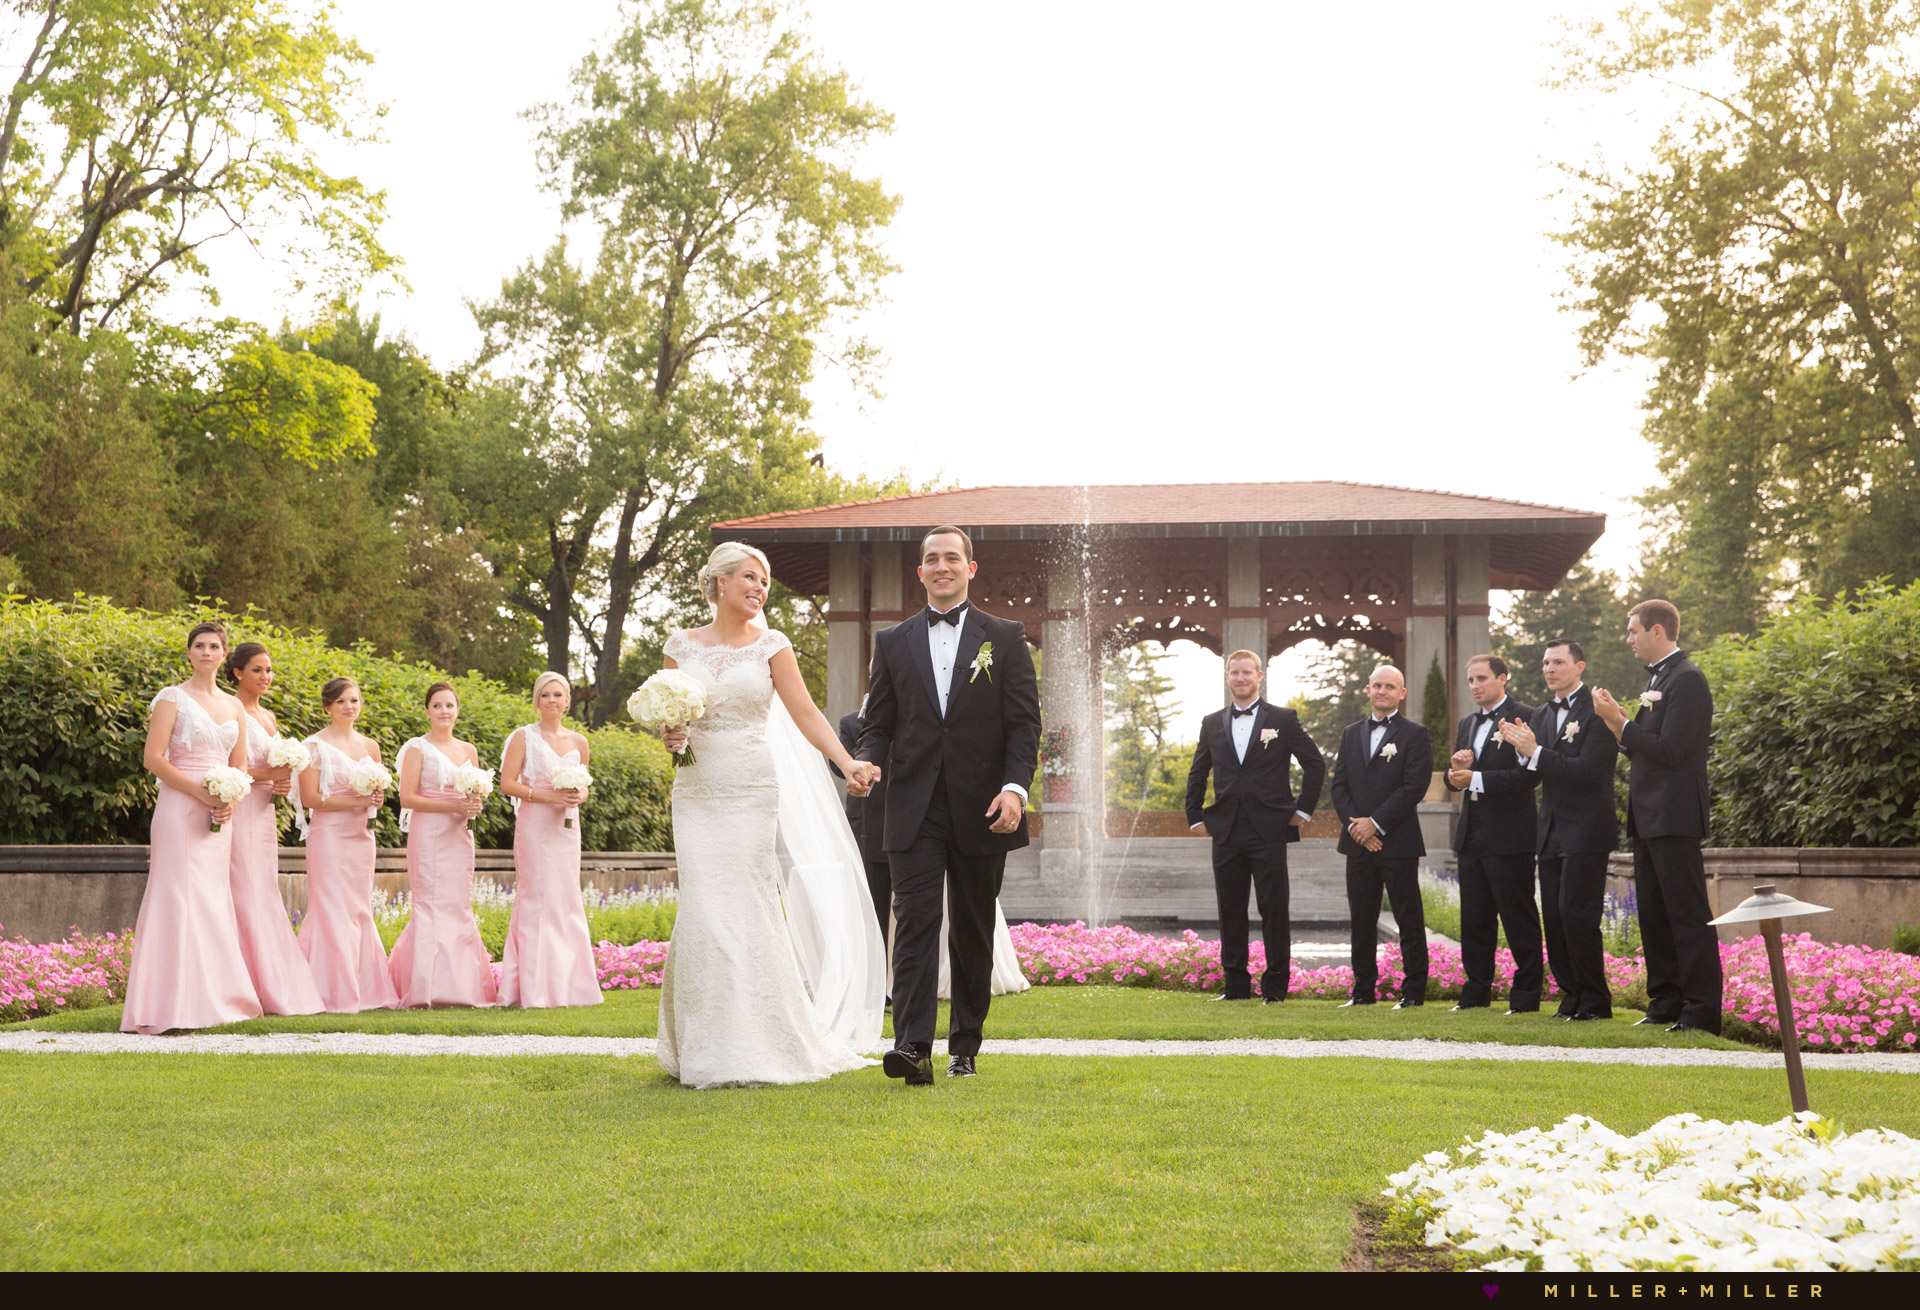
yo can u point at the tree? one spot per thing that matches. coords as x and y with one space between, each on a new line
1763 258
139 130
1437 716
709 148
1137 729
1337 693
1590 606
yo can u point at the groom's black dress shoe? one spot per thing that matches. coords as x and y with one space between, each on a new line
1348 1005
960 1066
911 1066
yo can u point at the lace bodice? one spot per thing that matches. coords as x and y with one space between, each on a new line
436 769
259 741
334 765
541 759
738 681
193 728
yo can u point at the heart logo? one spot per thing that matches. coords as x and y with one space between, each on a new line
1491 1289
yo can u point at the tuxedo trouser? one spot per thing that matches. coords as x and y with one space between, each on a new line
1682 949
880 888
1497 891
1573 894
1367 873
929 872
1240 866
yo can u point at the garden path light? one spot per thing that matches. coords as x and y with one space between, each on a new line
1767 908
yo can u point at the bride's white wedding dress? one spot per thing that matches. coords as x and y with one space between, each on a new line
776 972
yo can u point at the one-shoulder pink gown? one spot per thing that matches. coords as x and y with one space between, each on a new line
339 936
440 959
187 969
549 956
280 973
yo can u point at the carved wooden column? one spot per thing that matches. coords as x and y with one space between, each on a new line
1246 618
845 617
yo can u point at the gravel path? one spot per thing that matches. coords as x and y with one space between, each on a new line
419 1044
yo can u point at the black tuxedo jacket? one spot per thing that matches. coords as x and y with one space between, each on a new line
1667 792
1261 786
1576 779
865 814
1386 789
989 736
1503 817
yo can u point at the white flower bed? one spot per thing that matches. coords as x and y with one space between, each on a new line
1688 1194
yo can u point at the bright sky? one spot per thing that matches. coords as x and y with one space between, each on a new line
1139 243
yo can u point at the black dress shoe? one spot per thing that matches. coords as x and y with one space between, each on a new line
960 1066
1583 1018
1348 1005
1456 1009
1684 1027
1510 1013
1271 1000
915 1069
1229 996
1650 1019
1407 1003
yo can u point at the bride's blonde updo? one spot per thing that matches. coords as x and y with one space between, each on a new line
725 561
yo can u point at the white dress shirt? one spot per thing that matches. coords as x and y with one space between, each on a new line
1559 725
943 640
1376 735
1474 786
1241 729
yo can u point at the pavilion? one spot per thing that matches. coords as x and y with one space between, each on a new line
1262 566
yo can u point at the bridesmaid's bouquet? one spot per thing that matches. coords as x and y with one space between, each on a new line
669 699
291 754
571 777
228 785
367 777
472 780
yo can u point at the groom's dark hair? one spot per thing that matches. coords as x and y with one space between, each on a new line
966 542
1574 651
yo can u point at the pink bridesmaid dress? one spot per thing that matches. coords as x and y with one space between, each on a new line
187 969
339 937
549 957
440 959
279 971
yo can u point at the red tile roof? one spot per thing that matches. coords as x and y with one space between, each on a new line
1313 506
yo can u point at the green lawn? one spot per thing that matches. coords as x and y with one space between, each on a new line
1090 1012
135 1161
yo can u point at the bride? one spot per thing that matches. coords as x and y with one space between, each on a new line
767 980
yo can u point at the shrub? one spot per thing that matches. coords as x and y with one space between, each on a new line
1813 726
76 680
1906 939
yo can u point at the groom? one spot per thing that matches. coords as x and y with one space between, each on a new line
953 714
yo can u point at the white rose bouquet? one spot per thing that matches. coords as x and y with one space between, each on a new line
669 699
571 777
367 777
228 785
472 780
291 754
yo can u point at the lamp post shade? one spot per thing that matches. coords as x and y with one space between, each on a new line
1766 903
1767 908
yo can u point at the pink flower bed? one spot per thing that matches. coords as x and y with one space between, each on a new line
623 967
78 973
1845 998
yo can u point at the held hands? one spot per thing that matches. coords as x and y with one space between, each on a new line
1519 736
861 776
1005 812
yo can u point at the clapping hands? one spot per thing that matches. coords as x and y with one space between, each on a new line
1460 772
1519 736
1611 712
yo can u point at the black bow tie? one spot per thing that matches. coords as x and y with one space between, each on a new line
1246 713
951 616
1378 723
1481 716
1566 704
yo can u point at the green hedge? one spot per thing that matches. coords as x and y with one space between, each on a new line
1817 726
76 680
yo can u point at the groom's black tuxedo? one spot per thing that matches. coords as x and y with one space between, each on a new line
1251 822
1578 830
944 769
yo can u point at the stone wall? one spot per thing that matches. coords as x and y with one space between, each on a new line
1870 892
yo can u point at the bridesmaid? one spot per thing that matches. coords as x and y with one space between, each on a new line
187 969
549 959
440 959
279 971
338 936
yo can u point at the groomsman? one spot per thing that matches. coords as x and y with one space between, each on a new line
1667 814
867 816
1573 755
1383 769
1248 749
1494 839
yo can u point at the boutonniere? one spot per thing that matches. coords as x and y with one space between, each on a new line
1572 731
1650 697
983 662
1267 735
1388 751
